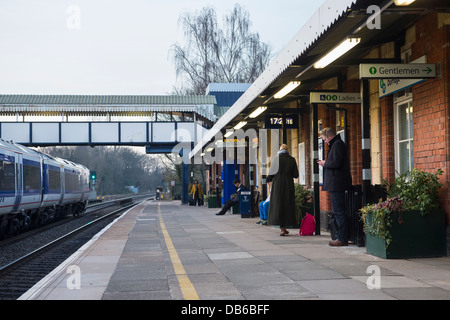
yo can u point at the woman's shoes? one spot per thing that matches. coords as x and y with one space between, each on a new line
284 232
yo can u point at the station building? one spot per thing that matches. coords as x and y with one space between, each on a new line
390 124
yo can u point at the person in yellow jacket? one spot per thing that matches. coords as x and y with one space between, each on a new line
197 193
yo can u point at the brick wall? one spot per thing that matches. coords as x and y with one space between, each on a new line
431 104
431 115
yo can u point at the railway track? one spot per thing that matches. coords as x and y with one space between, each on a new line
20 274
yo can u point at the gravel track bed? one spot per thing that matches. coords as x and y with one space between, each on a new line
12 251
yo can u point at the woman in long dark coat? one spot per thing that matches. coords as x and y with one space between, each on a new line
282 173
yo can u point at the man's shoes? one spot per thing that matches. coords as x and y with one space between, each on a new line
220 214
259 222
337 243
264 223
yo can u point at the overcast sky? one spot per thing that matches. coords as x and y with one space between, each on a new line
112 46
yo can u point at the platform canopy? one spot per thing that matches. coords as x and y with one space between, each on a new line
333 22
117 104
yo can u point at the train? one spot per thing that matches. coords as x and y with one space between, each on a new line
36 188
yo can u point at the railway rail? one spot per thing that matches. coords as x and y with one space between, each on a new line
21 270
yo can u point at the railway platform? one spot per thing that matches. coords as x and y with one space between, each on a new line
162 250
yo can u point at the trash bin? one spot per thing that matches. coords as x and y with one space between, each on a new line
245 204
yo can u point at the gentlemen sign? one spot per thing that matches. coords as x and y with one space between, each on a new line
390 86
334 97
397 70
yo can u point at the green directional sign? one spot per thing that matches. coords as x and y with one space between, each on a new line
335 97
397 70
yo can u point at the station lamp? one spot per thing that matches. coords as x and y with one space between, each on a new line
337 52
288 88
257 112
403 2
228 133
240 125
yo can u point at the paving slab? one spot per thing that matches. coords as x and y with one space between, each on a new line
159 248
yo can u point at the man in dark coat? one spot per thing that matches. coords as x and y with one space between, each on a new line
336 180
234 197
282 173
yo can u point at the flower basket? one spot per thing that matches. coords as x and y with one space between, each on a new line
409 224
412 236
212 201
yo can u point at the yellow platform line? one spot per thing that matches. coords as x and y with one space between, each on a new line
186 286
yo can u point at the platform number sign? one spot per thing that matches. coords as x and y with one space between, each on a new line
275 121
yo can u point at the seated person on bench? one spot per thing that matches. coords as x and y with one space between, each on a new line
234 198
264 208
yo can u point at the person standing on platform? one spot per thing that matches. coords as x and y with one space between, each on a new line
197 193
234 197
264 209
336 180
282 173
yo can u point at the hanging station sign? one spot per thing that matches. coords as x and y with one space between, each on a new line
334 97
390 86
275 121
397 70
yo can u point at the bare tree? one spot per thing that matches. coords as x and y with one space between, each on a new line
213 54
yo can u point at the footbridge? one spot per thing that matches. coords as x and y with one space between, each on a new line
160 123
151 121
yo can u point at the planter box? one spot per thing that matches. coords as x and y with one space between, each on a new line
212 202
417 237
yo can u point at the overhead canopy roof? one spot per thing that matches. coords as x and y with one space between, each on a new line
332 22
31 104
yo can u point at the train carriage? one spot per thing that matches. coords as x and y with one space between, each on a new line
76 183
7 181
35 188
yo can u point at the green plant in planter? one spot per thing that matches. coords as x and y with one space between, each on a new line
381 217
211 200
302 195
416 190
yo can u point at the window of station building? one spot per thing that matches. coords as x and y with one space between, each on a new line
6 175
340 124
403 132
